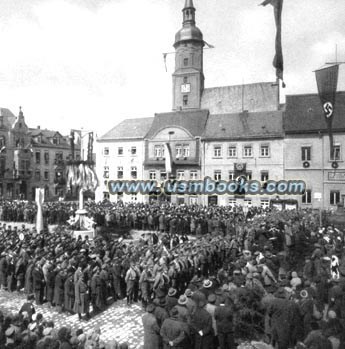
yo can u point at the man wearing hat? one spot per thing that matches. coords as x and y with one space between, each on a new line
206 288
160 312
224 322
130 279
173 332
201 327
151 329
171 299
183 312
28 307
210 308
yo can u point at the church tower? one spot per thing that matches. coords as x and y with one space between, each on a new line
188 78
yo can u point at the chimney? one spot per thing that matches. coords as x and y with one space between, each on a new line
39 127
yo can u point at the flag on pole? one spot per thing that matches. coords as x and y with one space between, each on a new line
208 45
165 61
278 62
39 197
168 159
327 81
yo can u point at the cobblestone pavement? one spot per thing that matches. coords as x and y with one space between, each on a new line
118 322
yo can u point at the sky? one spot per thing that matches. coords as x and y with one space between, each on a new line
93 63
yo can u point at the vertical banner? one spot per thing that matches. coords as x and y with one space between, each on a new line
90 147
72 139
327 80
168 159
39 198
278 61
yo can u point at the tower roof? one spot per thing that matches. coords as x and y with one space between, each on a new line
189 31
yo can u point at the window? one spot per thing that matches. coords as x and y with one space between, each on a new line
158 153
248 202
193 174
334 197
152 174
180 175
178 150
306 197
306 153
247 151
120 151
265 203
217 151
193 200
134 172
163 175
231 175
186 152
38 157
134 151
37 175
336 153
185 79
249 175
46 158
58 156
77 157
120 172
106 151
46 175
185 100
185 61
106 172
232 202
217 175
56 140
2 142
264 151
232 151
264 176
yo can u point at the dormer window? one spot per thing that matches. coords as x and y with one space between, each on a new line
56 140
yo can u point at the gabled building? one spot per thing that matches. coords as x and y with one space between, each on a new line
50 152
307 154
226 132
15 155
31 158
120 155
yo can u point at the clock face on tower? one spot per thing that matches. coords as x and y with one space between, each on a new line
185 88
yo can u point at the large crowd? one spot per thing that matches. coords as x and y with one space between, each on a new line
207 277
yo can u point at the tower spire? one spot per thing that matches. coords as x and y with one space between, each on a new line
188 13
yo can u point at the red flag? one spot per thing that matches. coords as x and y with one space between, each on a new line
278 61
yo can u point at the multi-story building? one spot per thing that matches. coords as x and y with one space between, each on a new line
249 144
32 158
50 152
120 154
224 132
15 155
307 154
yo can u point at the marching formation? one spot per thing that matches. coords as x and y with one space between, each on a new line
207 277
